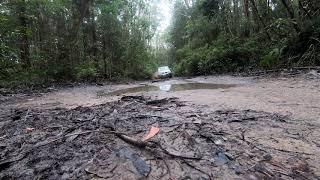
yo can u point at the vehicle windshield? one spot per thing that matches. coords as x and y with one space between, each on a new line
164 68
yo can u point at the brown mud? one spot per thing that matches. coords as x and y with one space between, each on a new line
297 97
224 133
192 144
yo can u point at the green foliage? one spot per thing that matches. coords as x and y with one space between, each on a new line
17 76
189 61
218 37
303 49
270 60
85 73
222 56
281 28
75 40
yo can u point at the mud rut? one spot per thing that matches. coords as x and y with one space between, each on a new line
193 143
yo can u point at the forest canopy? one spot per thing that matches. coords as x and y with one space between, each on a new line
48 41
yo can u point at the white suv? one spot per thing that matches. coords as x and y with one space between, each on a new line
164 72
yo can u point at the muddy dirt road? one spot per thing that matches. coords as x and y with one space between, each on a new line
297 97
210 128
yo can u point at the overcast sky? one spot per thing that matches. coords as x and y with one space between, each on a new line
165 9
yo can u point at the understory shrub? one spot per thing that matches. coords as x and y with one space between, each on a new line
85 73
222 56
271 59
304 49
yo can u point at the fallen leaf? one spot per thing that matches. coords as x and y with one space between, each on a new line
29 130
152 132
197 121
218 142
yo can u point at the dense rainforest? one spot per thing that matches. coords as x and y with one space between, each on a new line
45 41
217 36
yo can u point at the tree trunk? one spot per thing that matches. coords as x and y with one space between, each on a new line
104 57
246 8
255 11
291 14
236 18
93 32
24 42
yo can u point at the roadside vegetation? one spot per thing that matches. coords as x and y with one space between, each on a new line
46 41
85 40
212 36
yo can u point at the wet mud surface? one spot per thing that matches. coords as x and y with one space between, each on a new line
216 127
194 142
297 97
167 87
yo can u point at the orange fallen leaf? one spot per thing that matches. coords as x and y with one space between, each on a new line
152 132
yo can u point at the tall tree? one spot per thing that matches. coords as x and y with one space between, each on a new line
246 8
290 11
255 11
24 41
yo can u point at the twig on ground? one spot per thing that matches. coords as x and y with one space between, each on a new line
168 169
207 138
175 155
250 143
131 141
194 167
62 137
287 151
27 115
174 129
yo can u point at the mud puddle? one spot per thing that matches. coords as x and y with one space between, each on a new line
167 88
295 97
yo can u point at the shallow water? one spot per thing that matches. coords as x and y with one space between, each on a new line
168 88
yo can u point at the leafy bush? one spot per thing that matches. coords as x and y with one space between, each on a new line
281 28
304 49
86 73
270 60
224 55
17 76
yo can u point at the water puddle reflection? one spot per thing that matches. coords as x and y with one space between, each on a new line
167 88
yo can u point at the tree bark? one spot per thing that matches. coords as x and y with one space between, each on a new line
104 56
94 47
255 11
291 14
246 8
24 41
84 8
